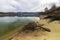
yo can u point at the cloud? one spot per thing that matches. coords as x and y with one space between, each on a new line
48 1
26 5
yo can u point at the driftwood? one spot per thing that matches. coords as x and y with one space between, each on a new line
32 26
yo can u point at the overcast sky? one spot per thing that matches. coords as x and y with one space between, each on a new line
26 5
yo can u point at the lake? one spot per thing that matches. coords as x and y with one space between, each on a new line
8 24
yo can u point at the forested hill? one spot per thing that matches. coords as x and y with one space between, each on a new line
53 13
52 10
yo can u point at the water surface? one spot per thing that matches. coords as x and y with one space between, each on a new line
9 23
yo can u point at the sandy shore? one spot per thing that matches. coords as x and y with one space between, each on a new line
55 29
40 35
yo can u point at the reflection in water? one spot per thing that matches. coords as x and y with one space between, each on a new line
12 19
9 23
